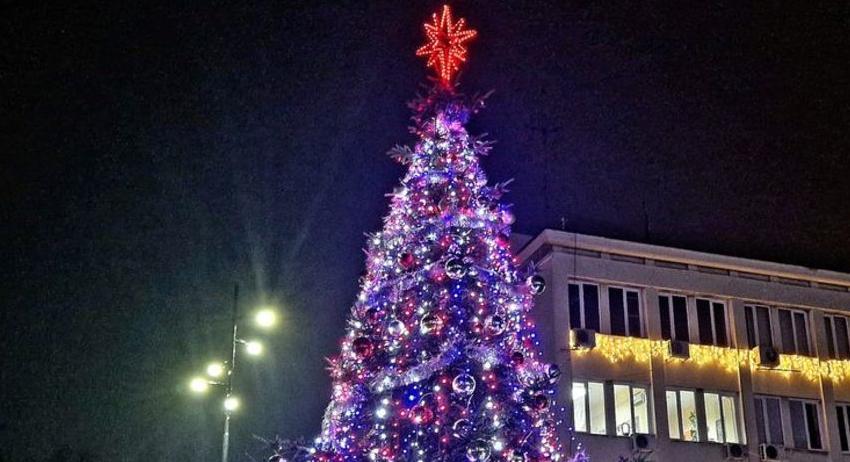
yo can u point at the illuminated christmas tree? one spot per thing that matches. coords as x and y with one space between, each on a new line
441 361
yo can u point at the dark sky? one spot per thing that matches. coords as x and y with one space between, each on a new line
154 153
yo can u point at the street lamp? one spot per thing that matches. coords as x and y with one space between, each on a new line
254 348
266 318
199 385
231 403
215 370
223 372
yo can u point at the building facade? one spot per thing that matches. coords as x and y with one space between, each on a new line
692 356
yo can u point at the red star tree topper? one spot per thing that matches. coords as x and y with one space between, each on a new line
445 48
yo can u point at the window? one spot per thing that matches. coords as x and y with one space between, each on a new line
682 415
837 343
624 306
768 419
843 413
711 315
805 424
584 306
674 317
721 420
589 407
631 409
758 326
794 331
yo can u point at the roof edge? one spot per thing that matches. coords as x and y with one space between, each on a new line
568 240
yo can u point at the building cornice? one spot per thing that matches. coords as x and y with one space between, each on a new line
562 241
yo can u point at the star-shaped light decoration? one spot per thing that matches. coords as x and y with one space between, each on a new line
445 48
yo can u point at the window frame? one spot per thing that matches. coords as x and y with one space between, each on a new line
792 312
736 405
832 338
713 320
766 418
756 342
588 424
581 304
649 411
672 315
803 402
846 410
641 331
678 393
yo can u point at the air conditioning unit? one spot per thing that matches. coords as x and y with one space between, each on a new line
768 356
641 443
735 451
679 349
582 338
768 452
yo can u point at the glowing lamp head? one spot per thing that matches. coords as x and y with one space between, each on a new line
231 403
254 348
265 318
215 370
199 385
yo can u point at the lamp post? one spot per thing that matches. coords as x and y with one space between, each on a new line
264 318
228 397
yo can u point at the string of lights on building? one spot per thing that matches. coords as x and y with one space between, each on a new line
618 349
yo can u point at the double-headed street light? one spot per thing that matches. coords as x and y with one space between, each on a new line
221 373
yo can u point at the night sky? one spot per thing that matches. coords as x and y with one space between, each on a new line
156 153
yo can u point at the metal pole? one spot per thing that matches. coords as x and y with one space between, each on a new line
226 437
225 443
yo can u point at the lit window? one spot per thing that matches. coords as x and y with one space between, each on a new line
711 315
794 331
758 326
843 414
631 409
674 317
580 406
673 415
589 407
768 419
682 415
837 343
624 307
584 306
720 418
805 424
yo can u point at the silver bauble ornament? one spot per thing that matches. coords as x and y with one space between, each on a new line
461 428
495 324
396 328
430 324
517 456
455 268
393 346
554 373
478 451
463 384
536 284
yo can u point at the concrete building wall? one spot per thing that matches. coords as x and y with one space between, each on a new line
652 270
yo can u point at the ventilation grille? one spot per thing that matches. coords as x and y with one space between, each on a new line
671 264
